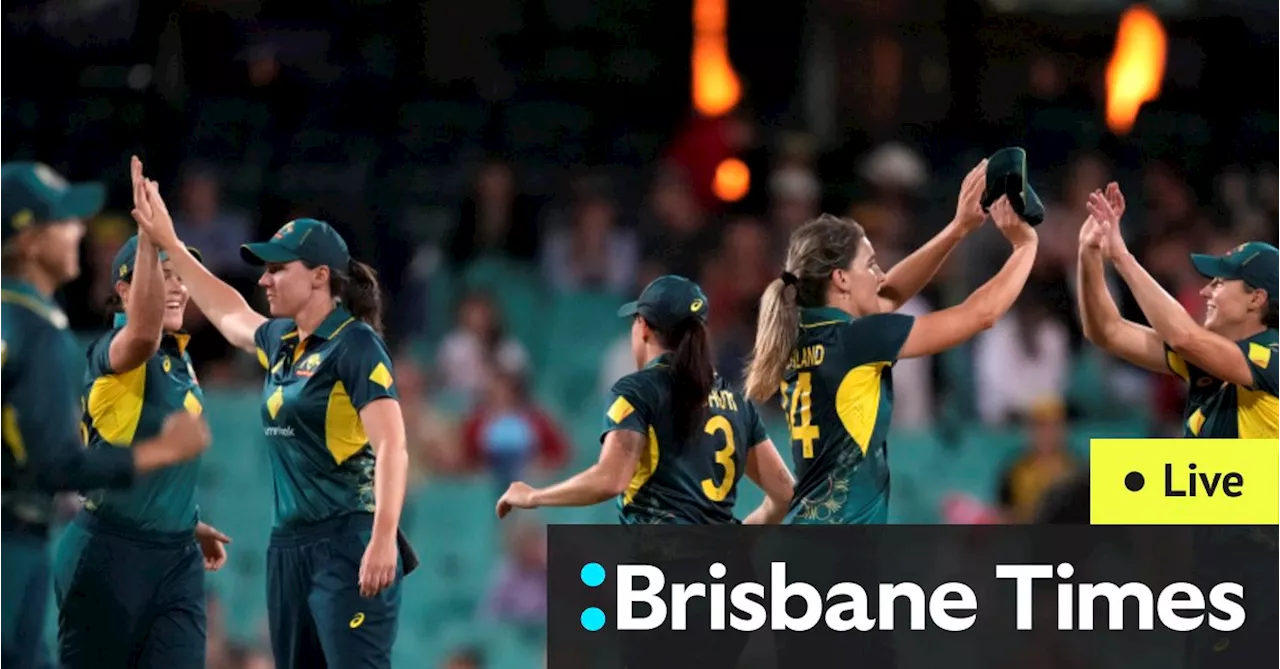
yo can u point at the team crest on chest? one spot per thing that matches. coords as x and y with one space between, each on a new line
309 364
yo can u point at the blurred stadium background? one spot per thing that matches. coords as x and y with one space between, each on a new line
516 168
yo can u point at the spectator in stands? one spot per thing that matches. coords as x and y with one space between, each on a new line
518 592
477 344
507 432
592 252
204 223
1023 358
734 279
431 436
1045 464
496 220
674 227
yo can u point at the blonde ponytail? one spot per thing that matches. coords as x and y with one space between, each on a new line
816 249
776 333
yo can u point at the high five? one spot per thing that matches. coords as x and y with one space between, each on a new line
828 338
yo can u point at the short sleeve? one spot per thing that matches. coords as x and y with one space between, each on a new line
365 368
877 338
629 407
756 432
266 339
99 355
1180 367
1262 364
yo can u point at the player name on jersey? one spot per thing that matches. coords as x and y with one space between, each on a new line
1183 481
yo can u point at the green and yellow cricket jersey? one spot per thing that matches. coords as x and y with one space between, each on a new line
315 388
42 442
837 393
1220 410
682 480
122 408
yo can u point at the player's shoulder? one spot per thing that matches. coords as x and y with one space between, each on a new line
643 383
103 340
274 329
30 312
1262 348
358 333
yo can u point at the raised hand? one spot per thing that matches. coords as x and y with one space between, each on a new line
150 212
1017 231
1101 210
969 212
1116 199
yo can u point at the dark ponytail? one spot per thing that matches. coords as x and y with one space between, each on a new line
359 291
691 372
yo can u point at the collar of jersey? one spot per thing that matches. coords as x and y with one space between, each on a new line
15 285
179 338
823 315
1267 337
661 361
330 326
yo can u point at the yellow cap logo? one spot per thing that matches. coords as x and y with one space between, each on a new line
356 621
124 270
23 219
696 306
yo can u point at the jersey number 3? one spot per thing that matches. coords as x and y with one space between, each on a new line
724 458
802 430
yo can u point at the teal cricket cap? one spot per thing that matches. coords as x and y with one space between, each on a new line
1255 263
307 239
1007 176
127 256
668 301
34 194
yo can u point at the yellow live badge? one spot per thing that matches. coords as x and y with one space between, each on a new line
1184 481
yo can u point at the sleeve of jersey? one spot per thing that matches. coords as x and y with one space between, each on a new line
266 340
1179 365
365 369
758 433
627 408
877 338
49 429
1263 365
99 355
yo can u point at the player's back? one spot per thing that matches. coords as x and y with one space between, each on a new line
34 347
682 478
837 392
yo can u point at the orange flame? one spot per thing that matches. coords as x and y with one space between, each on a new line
1136 67
716 89
732 181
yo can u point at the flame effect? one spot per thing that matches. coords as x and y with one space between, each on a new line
1136 67
716 89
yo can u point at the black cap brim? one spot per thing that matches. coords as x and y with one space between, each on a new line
261 253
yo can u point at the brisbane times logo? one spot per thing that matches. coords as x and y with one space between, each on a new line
645 600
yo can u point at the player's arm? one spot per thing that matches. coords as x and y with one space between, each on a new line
767 470
48 438
225 308
1216 355
139 339
1101 320
905 279
605 479
939 331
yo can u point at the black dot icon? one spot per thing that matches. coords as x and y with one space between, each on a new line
1134 481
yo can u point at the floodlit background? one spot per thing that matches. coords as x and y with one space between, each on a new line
516 168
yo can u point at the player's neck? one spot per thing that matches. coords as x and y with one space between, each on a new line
43 282
311 316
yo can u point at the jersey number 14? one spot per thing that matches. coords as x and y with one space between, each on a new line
802 430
